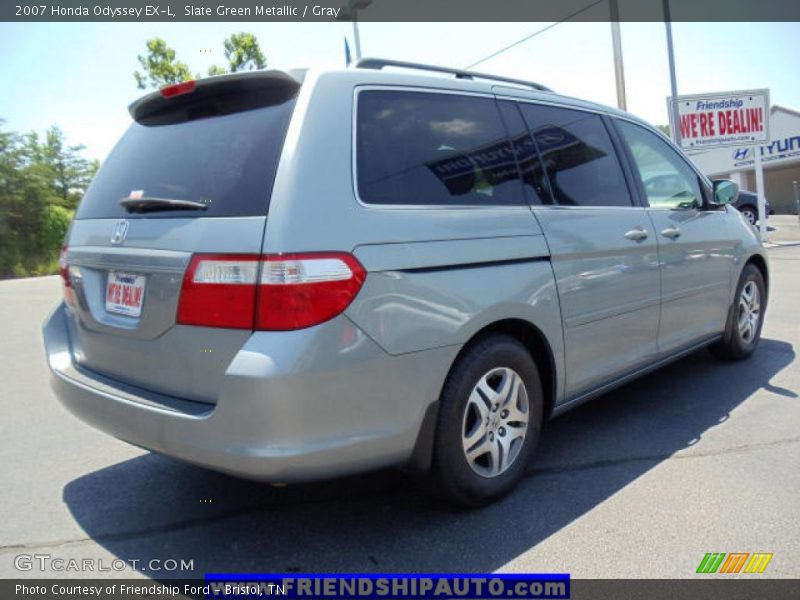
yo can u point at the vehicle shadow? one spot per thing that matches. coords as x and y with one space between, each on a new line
153 507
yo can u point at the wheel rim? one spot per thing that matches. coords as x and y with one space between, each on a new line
495 422
750 217
749 312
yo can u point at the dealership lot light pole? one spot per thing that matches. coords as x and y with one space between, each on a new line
616 42
673 81
350 11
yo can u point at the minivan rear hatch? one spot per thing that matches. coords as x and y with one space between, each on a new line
192 175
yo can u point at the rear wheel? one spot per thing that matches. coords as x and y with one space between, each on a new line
746 317
489 422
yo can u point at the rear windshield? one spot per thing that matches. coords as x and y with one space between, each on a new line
227 162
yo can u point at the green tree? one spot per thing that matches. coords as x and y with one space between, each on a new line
25 192
10 165
41 182
242 53
71 172
160 66
216 70
55 221
665 130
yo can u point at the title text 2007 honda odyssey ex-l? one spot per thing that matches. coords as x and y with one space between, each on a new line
296 276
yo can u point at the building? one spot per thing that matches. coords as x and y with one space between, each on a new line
780 159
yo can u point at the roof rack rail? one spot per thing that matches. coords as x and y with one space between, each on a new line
380 63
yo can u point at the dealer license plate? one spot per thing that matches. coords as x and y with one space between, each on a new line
124 293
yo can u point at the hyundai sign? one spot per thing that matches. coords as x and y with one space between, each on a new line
723 119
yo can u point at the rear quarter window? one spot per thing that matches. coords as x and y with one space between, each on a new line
227 162
422 148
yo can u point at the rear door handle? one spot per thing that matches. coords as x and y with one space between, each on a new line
671 233
637 235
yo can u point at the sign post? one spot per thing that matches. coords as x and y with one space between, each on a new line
762 205
725 119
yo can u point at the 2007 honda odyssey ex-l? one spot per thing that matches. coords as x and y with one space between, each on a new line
296 276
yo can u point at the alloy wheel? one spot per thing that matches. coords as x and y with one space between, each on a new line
749 312
495 422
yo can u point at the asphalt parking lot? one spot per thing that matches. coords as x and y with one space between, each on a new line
699 457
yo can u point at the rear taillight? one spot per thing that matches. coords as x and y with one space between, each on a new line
300 290
63 270
272 292
219 290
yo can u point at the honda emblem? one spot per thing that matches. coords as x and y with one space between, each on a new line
120 231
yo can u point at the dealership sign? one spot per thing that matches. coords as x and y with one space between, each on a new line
722 119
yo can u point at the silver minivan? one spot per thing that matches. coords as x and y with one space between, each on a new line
304 275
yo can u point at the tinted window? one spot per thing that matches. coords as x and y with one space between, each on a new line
669 182
427 148
226 161
578 156
536 189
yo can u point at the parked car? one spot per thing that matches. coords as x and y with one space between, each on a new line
747 203
292 277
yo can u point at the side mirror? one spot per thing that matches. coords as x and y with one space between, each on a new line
725 192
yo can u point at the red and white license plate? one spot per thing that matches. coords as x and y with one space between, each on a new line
124 293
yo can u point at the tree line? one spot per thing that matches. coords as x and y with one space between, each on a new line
41 183
160 64
42 178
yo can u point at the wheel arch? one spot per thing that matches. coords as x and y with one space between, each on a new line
533 339
537 345
761 264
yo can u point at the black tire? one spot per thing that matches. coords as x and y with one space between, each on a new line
452 475
750 214
733 345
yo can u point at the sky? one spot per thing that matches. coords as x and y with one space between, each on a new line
79 76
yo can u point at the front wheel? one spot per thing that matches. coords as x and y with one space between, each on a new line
489 421
745 318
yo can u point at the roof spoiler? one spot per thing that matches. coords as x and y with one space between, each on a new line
223 94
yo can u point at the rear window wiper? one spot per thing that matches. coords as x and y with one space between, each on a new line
151 204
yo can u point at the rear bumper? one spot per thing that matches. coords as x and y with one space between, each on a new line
294 406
